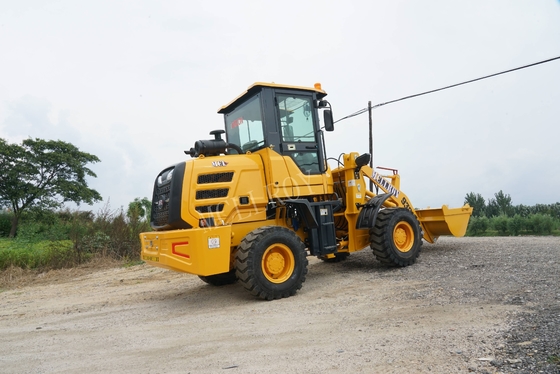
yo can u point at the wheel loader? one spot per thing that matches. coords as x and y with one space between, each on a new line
251 207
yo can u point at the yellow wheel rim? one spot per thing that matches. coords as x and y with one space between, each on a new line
403 236
278 263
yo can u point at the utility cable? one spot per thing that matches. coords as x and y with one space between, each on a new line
361 111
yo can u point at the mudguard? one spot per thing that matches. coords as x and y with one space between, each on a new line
368 214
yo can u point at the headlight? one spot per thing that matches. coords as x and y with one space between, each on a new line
165 177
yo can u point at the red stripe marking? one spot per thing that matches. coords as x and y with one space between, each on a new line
177 253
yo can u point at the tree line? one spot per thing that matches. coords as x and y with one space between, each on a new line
498 215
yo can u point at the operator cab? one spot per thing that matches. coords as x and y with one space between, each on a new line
284 118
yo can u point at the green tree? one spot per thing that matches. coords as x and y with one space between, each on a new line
504 203
476 201
43 174
516 224
500 224
138 214
139 209
478 226
492 209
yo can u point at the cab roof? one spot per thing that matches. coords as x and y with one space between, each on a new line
258 85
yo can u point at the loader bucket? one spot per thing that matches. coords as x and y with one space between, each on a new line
444 221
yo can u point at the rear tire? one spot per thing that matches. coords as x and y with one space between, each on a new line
271 262
396 238
220 279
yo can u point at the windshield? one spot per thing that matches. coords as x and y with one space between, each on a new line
244 125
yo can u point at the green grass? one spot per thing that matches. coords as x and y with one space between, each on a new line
37 254
130 263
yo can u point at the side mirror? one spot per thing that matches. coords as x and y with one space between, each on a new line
328 120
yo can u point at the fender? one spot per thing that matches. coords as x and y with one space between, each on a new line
305 209
368 214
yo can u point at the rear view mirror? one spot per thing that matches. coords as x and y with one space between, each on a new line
328 120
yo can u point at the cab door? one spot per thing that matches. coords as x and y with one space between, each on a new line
300 143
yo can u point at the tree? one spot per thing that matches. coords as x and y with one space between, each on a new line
504 203
476 201
43 174
139 209
492 209
138 214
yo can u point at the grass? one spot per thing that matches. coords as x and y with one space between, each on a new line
130 263
38 254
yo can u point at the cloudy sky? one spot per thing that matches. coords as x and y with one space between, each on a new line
137 82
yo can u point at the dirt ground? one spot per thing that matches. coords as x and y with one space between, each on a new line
448 313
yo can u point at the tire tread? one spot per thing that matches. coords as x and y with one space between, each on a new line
381 239
250 275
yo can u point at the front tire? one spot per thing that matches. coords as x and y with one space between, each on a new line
396 238
271 262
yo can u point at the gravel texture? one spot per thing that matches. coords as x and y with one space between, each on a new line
479 305
520 271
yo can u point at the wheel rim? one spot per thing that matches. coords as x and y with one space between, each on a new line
278 263
403 236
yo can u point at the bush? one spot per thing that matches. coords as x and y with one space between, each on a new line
540 224
5 224
48 239
515 225
98 242
61 254
115 236
38 230
37 255
500 224
477 226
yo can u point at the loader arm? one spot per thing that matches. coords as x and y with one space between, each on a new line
434 222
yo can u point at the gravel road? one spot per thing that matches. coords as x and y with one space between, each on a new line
482 305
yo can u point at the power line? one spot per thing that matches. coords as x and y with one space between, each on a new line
361 111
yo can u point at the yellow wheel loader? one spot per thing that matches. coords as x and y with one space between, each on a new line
252 207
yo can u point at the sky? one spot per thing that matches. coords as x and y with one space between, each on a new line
138 82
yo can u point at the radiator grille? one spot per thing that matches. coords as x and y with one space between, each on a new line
211 194
210 208
160 218
160 204
215 178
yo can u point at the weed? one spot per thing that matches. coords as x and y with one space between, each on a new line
131 263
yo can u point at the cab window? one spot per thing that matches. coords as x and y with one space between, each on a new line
244 126
296 119
298 134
